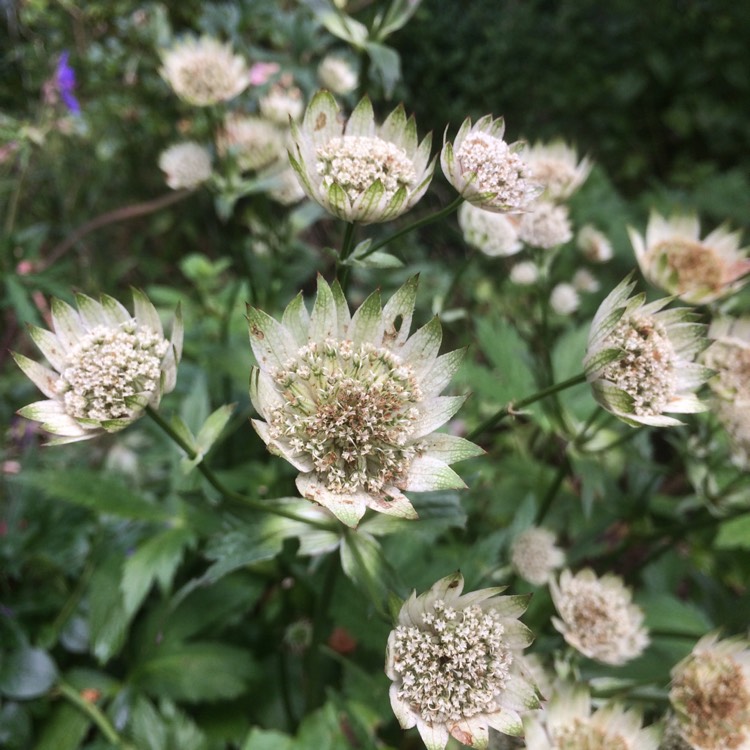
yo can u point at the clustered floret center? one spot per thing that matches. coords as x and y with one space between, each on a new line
204 77
351 409
646 368
580 734
455 665
494 168
598 616
107 366
693 263
355 163
714 697
555 174
732 364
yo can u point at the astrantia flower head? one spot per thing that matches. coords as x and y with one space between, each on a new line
564 299
729 357
337 75
108 366
535 556
524 273
282 103
253 142
674 258
597 616
185 165
568 723
487 171
492 233
352 401
545 225
203 71
359 171
710 694
452 660
640 358
555 165
594 244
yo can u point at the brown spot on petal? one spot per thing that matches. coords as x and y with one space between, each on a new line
320 121
464 737
255 331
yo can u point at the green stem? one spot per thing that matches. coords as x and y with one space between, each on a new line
347 246
513 406
563 469
449 209
96 715
218 485
457 278
10 217
313 692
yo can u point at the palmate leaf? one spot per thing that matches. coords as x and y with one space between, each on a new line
195 672
91 489
155 560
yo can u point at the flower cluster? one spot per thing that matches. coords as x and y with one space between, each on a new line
185 165
535 556
674 258
491 233
568 723
486 170
452 660
597 616
351 401
710 695
640 358
358 171
108 366
203 71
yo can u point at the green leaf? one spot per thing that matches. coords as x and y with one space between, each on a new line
208 435
667 613
194 672
378 259
64 730
94 490
267 739
26 673
734 533
387 63
249 544
155 560
344 27
15 727
363 561
108 618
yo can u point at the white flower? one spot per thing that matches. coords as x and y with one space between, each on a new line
639 359
594 244
564 299
204 71
524 273
487 171
735 418
360 172
108 366
534 555
585 281
337 75
555 165
185 165
492 233
597 616
675 259
282 103
253 142
729 357
545 225
710 694
568 723
352 401
452 662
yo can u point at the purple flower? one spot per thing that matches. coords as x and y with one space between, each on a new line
65 78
